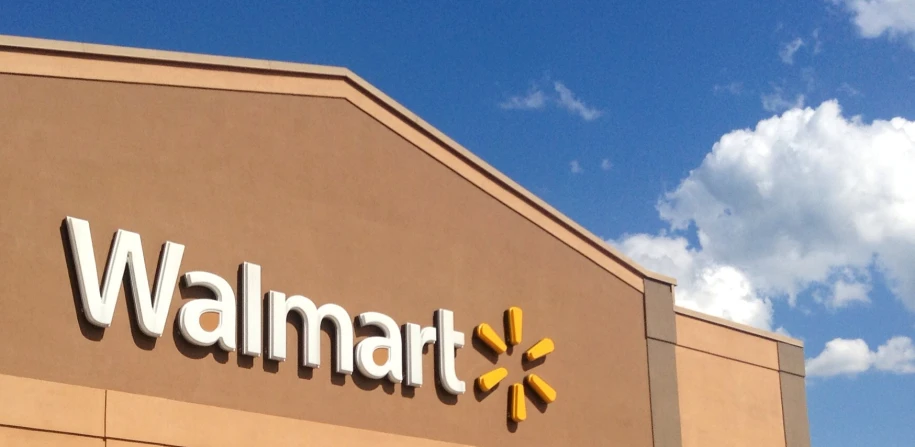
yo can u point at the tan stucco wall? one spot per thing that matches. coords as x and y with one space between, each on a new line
725 342
334 206
730 386
726 402
17 437
130 420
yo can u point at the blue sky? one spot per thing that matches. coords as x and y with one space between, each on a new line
642 121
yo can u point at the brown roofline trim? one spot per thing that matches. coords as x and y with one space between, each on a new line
123 54
738 327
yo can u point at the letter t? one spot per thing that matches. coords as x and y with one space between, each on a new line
448 342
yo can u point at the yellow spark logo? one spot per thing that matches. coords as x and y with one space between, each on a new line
488 381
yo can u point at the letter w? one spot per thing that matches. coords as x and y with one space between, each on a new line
126 253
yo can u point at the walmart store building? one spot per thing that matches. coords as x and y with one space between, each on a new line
209 251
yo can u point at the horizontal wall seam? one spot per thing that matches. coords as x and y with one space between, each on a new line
722 356
137 441
44 430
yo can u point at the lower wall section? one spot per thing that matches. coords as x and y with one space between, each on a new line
39 413
724 402
151 419
22 437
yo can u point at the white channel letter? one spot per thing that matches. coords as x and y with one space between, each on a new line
365 359
449 341
279 306
251 323
224 305
416 339
126 253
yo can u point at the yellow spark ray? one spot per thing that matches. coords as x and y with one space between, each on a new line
543 389
514 325
489 380
491 338
542 348
518 409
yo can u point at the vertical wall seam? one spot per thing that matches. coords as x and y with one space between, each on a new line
105 415
781 400
651 409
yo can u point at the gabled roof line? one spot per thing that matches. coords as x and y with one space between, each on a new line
95 51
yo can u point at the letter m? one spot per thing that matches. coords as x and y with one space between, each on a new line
126 254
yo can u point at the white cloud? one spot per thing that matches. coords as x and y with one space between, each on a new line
778 102
805 198
702 284
605 164
845 293
897 355
786 54
735 88
533 100
568 101
874 18
809 200
848 357
852 357
575 167
561 96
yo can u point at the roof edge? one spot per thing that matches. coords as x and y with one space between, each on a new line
263 65
738 326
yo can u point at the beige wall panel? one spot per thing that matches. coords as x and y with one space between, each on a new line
791 359
794 405
335 207
665 404
51 406
660 320
120 443
150 419
727 403
18 437
718 340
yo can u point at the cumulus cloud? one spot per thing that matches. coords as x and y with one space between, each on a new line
897 355
875 18
853 357
809 200
568 101
805 198
533 100
848 357
560 96
702 283
786 54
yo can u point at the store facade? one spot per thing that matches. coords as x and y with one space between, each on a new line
200 250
